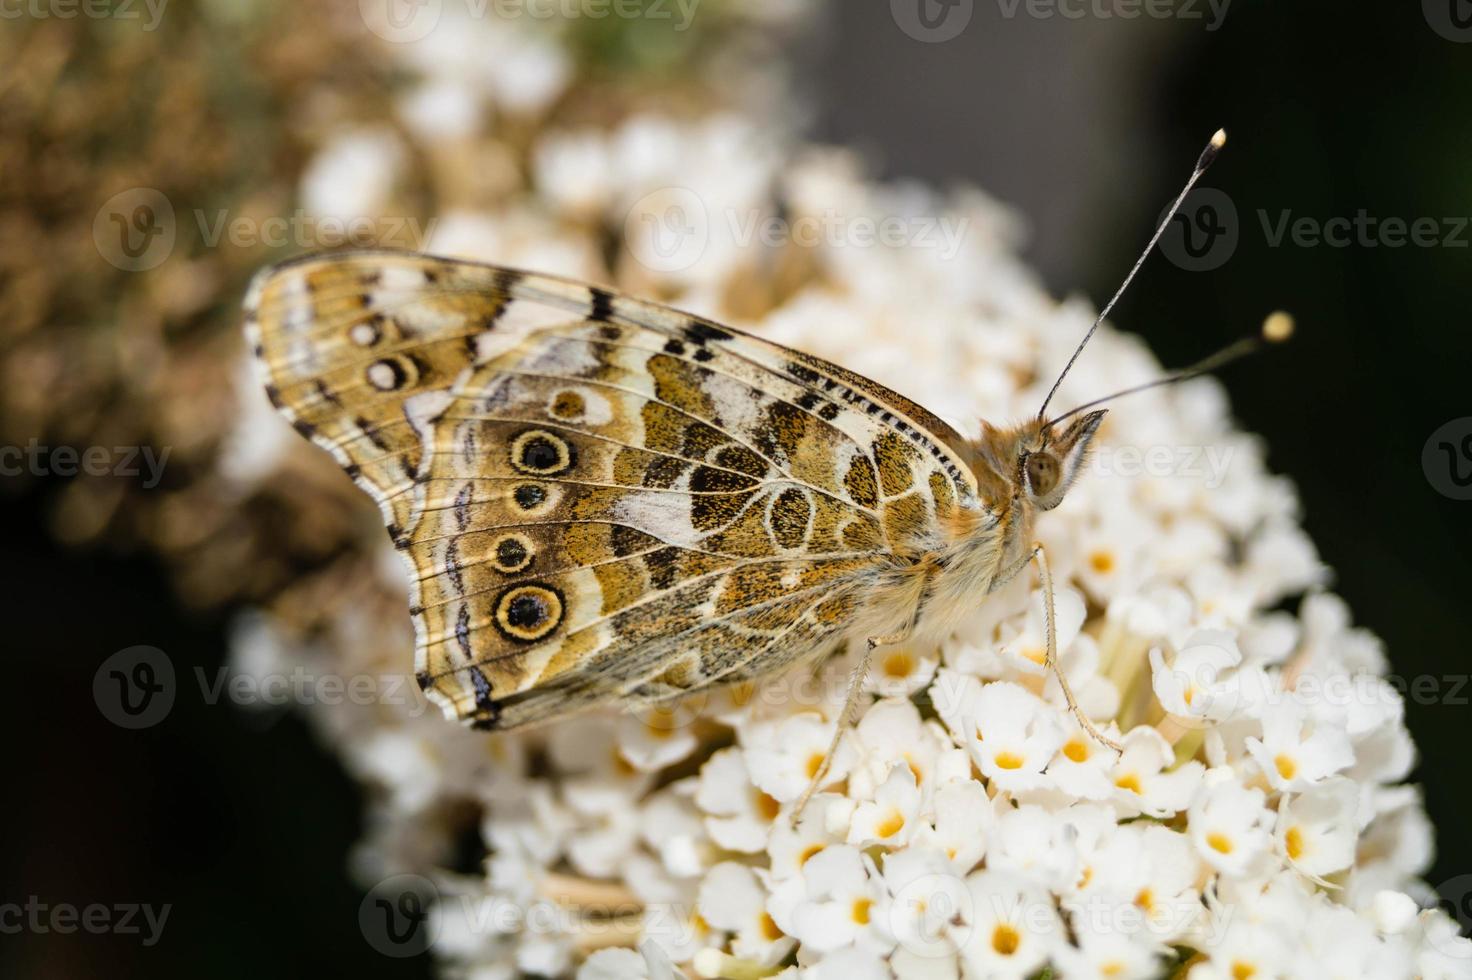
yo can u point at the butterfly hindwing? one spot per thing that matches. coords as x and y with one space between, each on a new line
598 497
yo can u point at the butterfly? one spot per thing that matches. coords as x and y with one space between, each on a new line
603 500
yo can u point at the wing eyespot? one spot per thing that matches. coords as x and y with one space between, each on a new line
528 613
542 453
513 553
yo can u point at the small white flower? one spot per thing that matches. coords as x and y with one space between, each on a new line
740 815
1144 780
1082 767
900 671
1112 956
656 736
926 896
963 824
784 756
1011 733
1036 844
892 817
1143 880
790 848
1317 829
1199 684
892 733
1027 649
1294 752
834 903
1010 929
1229 825
1245 949
733 899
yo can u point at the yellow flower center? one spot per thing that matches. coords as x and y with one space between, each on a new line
807 853
891 824
1076 750
860 910
1006 939
1129 781
815 762
766 806
1243 971
899 664
1102 562
1219 842
1286 766
1293 841
1008 760
770 932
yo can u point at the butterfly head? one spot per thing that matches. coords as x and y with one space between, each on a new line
1040 460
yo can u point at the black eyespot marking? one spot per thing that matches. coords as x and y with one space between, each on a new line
703 355
674 347
808 400
529 612
609 332
513 553
542 453
528 496
828 412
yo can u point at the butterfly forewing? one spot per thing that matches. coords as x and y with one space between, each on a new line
599 497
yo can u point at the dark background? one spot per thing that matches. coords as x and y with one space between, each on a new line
1088 126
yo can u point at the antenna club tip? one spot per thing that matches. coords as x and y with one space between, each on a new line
1218 139
1278 327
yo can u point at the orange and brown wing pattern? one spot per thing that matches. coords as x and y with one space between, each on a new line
598 497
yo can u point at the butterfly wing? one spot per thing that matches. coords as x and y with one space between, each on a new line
598 497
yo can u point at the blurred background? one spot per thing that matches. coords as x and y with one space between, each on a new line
1083 118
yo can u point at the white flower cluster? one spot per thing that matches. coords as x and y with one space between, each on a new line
1255 825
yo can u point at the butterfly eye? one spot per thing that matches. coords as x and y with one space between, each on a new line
1042 474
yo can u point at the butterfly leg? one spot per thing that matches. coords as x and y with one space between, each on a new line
850 705
1041 557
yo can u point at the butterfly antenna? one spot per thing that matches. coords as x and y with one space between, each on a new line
1277 328
1218 140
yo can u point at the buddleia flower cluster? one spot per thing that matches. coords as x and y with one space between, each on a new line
1255 821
